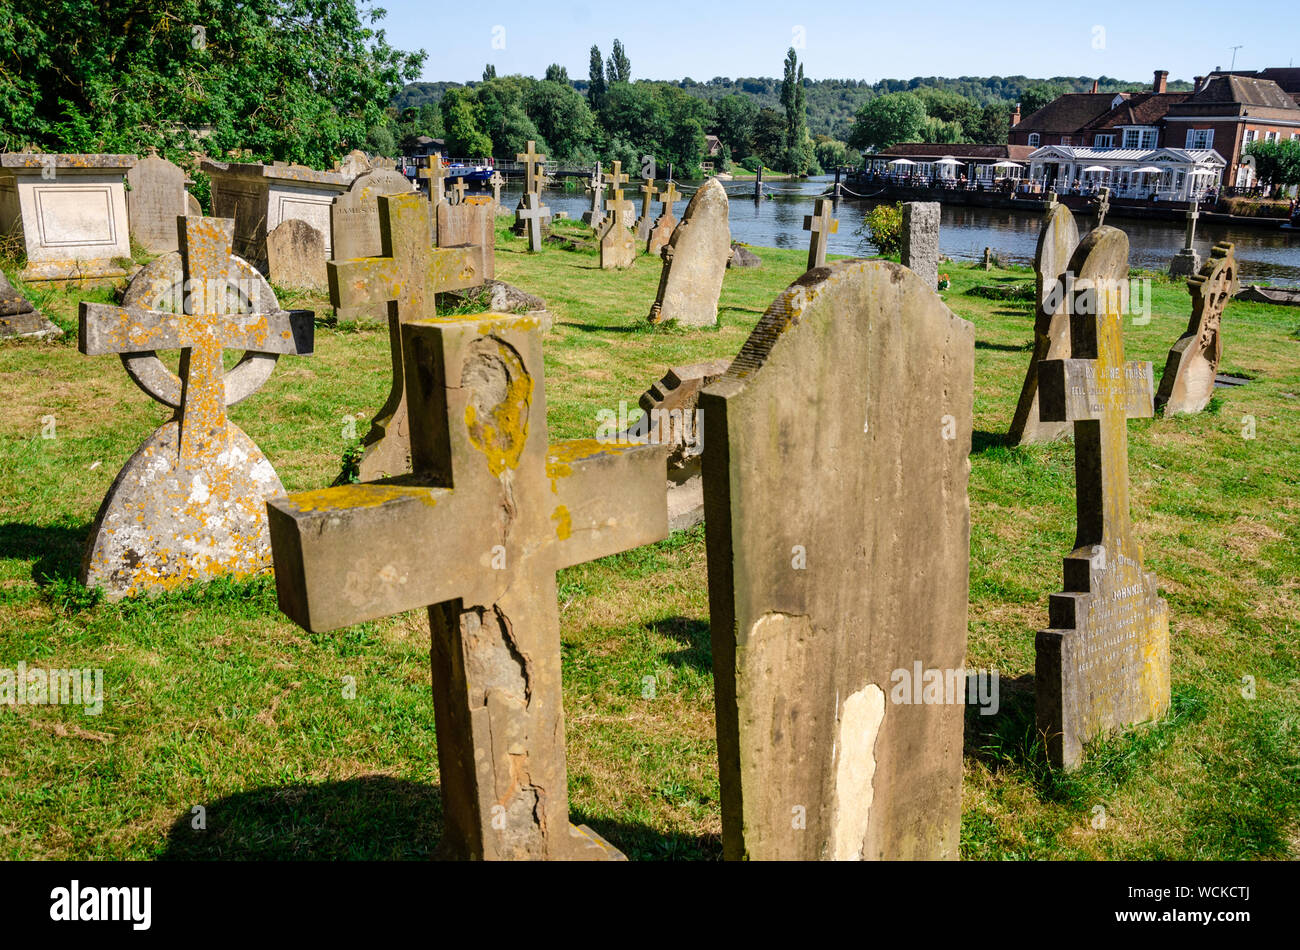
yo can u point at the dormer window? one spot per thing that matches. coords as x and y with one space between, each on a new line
1033 140
1104 141
1140 136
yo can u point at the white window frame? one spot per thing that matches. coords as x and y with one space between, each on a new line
1104 141
1034 139
1200 139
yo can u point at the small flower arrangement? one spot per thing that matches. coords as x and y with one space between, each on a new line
944 282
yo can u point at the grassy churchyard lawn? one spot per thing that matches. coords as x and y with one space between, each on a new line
218 711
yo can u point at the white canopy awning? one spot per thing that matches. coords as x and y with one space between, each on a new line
902 161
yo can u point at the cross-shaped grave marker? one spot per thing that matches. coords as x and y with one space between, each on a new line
668 197
1103 204
533 165
476 534
644 222
459 189
437 178
188 505
496 181
663 227
822 225
531 213
1104 663
616 182
594 215
407 275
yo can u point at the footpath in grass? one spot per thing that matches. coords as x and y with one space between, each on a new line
292 744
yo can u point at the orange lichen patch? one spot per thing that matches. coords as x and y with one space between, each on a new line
563 522
343 497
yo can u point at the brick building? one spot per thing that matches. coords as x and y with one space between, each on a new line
1228 112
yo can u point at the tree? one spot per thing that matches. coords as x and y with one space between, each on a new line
887 120
884 227
462 124
489 72
1276 163
563 119
994 124
1038 95
798 149
769 137
595 78
619 68
734 123
502 115
557 73
293 80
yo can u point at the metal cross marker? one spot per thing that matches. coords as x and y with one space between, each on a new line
475 535
407 275
532 213
821 224
180 509
534 164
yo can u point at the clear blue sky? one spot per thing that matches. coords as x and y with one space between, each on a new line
668 39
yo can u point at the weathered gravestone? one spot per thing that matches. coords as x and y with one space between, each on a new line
695 261
743 257
355 163
822 226
354 228
921 240
1104 664
436 175
1193 362
476 534
532 214
405 278
670 417
496 181
617 245
189 504
155 198
1057 240
471 223
594 215
295 256
617 205
534 176
19 318
69 212
192 207
837 525
645 223
666 223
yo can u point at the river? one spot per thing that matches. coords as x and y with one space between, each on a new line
1263 256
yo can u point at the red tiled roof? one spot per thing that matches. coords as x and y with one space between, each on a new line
1016 153
1069 113
1243 90
1143 108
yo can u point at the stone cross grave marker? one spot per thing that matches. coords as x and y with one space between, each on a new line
822 225
475 534
405 278
1193 361
459 189
829 575
1103 204
617 179
646 221
531 212
189 504
1187 262
1057 239
534 163
436 175
921 240
665 224
617 245
596 188
695 261
496 181
354 227
1104 663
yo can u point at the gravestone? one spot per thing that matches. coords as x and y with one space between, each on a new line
617 246
475 535
670 417
921 240
742 256
596 188
666 223
496 181
405 279
1104 663
1057 240
531 216
355 163
354 228
822 226
458 190
154 200
436 175
1193 362
192 206
625 208
19 318
471 223
1187 262
189 505
645 222
695 261
1103 204
295 256
534 174
70 213
838 535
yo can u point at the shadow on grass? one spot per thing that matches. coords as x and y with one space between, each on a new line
693 635
596 328
640 843
56 549
981 441
1005 347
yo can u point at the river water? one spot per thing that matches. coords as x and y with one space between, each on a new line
1263 256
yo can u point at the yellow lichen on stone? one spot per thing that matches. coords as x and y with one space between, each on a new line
502 435
563 522
343 497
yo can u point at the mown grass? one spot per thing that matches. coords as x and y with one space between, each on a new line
216 701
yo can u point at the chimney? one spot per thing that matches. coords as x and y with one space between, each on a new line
1196 83
1160 81
1094 85
1015 116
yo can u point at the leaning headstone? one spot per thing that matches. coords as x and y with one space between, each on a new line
617 245
70 213
666 223
405 280
154 200
836 459
921 240
742 256
1104 663
19 318
471 223
1193 362
295 256
1187 262
695 261
822 226
1057 240
475 536
670 417
189 505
